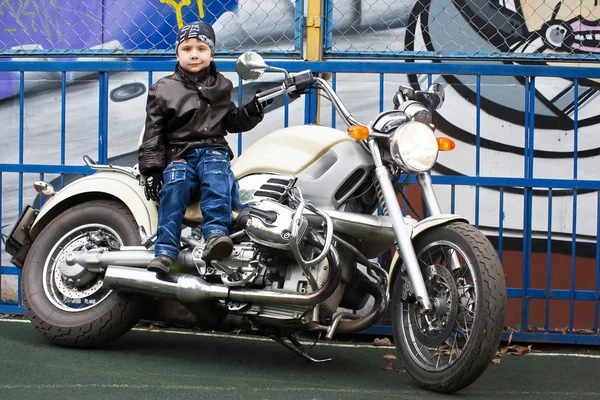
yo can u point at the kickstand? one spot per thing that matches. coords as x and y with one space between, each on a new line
298 348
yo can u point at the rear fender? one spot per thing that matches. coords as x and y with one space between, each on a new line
122 187
420 227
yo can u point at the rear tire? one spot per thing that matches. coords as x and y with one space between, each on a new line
473 295
79 317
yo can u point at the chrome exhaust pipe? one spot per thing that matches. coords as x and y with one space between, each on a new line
126 256
190 289
182 287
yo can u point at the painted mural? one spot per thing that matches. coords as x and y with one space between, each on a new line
523 26
526 26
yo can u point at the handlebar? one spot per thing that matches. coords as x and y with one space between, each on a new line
323 84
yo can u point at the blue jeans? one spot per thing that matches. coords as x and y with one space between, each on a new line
206 169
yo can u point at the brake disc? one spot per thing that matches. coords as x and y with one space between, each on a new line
433 329
66 288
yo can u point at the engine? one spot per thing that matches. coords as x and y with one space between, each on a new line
267 262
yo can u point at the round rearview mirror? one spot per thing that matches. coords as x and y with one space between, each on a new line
436 96
250 66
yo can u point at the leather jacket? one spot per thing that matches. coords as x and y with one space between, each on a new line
183 113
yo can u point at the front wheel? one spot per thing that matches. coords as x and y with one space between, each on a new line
449 349
79 312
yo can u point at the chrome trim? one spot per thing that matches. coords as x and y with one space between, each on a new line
389 120
44 188
111 168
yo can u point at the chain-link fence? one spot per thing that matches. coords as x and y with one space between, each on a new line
529 29
145 27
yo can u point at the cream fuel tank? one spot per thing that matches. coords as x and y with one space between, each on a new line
312 155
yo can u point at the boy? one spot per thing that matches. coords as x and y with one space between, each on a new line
188 115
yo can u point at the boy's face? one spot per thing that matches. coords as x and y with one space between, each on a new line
194 55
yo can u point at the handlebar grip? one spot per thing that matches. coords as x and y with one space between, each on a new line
271 93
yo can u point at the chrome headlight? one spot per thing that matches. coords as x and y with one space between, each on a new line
414 147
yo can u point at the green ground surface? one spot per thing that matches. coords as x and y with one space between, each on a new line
151 364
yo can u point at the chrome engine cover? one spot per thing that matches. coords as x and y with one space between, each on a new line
270 225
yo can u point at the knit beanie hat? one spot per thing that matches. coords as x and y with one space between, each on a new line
199 30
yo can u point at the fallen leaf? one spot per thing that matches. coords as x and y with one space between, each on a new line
536 329
389 357
496 361
516 350
510 337
157 325
13 316
382 342
564 330
583 330
448 351
391 367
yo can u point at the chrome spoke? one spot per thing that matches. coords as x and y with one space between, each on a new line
439 352
452 347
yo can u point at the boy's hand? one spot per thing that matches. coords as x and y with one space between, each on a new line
154 182
257 107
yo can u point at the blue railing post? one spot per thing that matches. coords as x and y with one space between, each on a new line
528 200
574 223
103 118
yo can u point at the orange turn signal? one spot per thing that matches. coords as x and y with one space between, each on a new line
445 144
359 132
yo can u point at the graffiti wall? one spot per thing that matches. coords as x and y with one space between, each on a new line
545 27
520 26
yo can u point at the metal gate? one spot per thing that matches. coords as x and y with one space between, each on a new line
531 284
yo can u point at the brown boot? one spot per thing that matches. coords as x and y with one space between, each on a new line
161 264
217 248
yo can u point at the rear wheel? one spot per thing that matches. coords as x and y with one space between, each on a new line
78 311
449 349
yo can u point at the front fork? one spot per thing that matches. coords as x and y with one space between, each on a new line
402 231
424 181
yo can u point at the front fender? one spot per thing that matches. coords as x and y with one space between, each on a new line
418 228
104 184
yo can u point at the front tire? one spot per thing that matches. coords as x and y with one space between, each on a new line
448 350
79 316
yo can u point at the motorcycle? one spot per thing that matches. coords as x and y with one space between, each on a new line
313 193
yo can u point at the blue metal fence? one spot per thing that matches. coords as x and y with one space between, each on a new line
521 294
